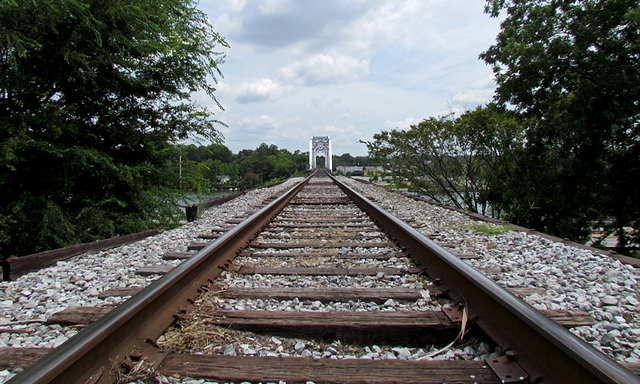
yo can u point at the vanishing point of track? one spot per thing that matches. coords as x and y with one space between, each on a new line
326 222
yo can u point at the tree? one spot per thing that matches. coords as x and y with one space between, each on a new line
459 162
571 68
92 93
343 160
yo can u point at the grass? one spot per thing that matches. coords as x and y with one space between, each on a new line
490 229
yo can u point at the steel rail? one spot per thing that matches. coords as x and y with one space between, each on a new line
546 350
90 356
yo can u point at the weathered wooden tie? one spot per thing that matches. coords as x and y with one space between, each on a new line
321 271
300 370
328 244
349 255
378 295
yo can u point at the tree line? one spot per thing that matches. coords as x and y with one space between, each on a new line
93 94
559 148
214 166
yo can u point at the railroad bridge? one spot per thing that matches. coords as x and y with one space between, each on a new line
321 144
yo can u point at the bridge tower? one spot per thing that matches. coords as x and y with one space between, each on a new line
320 144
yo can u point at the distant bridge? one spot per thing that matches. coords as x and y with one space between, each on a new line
320 144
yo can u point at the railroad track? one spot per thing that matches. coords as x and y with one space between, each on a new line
359 283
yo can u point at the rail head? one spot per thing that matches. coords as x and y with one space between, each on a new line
548 351
146 314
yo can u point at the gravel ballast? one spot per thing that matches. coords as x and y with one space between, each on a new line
573 279
26 304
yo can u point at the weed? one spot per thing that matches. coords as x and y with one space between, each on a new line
490 229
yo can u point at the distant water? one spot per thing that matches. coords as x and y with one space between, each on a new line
192 198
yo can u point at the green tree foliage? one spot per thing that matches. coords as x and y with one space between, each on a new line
202 165
572 69
460 162
91 94
347 160
271 163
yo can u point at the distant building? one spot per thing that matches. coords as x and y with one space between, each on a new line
355 168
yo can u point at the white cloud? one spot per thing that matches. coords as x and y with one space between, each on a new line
260 90
234 6
249 131
381 64
473 96
402 124
273 6
282 24
325 69
442 25
260 124
479 92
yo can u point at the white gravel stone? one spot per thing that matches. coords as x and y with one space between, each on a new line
79 280
574 278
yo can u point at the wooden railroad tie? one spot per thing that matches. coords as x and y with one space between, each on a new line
326 294
351 255
320 271
296 369
87 315
299 369
344 244
320 220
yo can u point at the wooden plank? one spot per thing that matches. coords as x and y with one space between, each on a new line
321 214
407 328
490 271
14 267
300 370
565 318
78 315
378 295
312 231
177 255
318 271
334 220
198 245
328 236
323 225
119 292
344 201
526 291
154 270
337 319
624 259
210 236
466 256
570 318
14 358
376 256
263 245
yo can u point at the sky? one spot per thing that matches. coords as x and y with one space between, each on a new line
345 68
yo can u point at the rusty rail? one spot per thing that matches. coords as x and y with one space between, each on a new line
543 348
89 356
